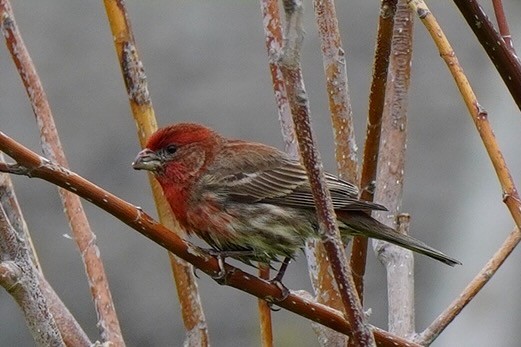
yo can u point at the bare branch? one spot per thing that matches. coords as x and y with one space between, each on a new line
398 261
273 37
504 59
502 24
374 123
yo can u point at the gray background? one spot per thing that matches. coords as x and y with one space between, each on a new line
206 62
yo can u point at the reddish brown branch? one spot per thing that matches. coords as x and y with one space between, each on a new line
32 165
504 59
374 124
51 146
502 24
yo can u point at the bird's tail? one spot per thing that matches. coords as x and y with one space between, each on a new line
361 224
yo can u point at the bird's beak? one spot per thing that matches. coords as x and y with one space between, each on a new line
146 160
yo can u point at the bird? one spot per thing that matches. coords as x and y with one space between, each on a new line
251 201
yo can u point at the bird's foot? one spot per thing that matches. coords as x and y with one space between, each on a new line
284 293
220 277
277 281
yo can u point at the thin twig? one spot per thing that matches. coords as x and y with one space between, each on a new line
143 112
502 24
398 261
506 62
32 165
328 229
374 123
86 240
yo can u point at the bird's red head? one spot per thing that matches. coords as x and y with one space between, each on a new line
178 152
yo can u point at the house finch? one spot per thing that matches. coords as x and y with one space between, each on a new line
252 201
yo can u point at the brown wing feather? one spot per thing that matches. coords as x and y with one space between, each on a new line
280 180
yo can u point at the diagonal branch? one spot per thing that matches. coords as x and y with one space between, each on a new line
32 165
476 111
51 146
471 290
505 60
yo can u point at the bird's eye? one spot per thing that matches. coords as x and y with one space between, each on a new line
171 149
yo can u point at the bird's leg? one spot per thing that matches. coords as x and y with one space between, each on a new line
277 281
221 256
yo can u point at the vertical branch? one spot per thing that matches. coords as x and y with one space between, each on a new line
398 261
51 146
502 24
333 57
265 311
374 123
329 232
273 38
337 87
25 290
143 112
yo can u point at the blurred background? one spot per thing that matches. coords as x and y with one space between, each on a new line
206 62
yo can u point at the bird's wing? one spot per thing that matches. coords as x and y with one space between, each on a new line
284 181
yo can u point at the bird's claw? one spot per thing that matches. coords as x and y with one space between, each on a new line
220 277
284 293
